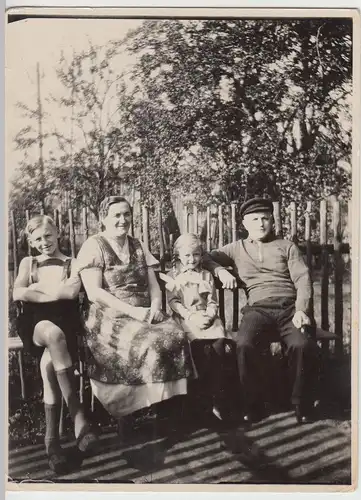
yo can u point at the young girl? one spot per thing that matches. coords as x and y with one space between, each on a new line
192 296
48 286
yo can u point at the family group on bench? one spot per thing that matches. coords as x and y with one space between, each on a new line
136 354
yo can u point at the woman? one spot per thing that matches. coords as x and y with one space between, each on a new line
138 356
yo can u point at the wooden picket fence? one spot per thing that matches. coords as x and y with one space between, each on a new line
218 225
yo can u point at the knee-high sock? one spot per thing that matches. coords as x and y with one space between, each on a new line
52 418
67 384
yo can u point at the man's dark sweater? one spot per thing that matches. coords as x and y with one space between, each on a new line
273 268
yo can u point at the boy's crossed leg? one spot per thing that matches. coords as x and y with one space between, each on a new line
48 335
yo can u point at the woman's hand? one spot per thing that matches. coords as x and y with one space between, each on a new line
138 313
156 315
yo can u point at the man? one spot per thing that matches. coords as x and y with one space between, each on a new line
279 289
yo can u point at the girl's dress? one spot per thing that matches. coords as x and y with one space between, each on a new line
131 364
213 355
63 313
196 291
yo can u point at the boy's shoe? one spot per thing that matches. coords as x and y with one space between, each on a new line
58 462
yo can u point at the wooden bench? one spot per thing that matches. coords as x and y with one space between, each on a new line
15 343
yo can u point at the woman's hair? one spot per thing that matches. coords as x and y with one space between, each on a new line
110 200
189 240
38 221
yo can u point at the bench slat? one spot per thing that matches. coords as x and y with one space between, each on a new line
15 343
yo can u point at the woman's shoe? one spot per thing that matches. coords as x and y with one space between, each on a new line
217 413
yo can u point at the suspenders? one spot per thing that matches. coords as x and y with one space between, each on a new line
33 269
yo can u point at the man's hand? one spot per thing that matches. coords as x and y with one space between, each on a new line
227 279
300 318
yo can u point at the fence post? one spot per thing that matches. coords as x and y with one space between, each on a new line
131 227
171 243
228 224
185 219
338 277
27 216
209 247
309 248
161 253
137 230
85 223
233 222
60 221
195 219
235 291
277 219
293 210
161 239
85 233
214 228
56 218
324 271
349 225
220 226
72 233
209 236
21 373
145 220
15 243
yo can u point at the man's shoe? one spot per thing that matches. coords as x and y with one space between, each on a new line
304 414
255 414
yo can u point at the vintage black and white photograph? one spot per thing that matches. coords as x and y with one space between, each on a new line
181 285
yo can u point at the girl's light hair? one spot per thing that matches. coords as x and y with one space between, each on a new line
38 221
188 240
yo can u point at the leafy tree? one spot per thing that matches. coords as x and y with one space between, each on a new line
82 154
212 110
243 107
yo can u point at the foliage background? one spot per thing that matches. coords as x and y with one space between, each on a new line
210 110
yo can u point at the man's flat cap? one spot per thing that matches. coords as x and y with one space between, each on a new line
256 205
